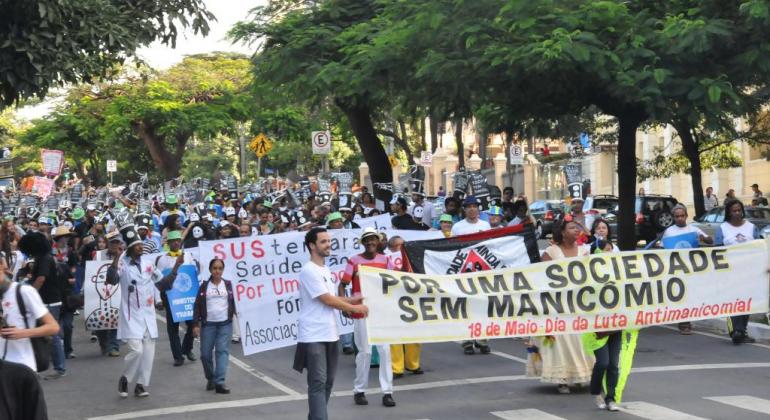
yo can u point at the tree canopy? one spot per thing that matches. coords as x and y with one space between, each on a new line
46 43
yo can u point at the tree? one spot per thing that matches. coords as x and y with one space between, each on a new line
146 120
49 43
306 52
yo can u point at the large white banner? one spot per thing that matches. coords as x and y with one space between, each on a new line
265 270
101 306
601 292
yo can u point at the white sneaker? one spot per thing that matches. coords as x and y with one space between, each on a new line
612 406
563 389
600 402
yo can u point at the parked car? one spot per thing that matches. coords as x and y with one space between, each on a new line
710 221
600 206
653 215
545 213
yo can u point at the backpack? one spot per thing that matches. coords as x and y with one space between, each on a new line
41 346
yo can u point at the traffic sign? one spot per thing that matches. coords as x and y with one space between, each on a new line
322 142
112 166
261 145
426 158
517 154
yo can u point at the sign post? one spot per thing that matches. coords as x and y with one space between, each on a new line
112 167
322 145
261 146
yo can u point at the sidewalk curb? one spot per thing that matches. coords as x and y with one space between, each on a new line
755 329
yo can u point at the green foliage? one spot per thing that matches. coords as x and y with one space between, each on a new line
49 43
145 120
720 157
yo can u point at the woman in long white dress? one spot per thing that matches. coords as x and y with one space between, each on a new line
565 362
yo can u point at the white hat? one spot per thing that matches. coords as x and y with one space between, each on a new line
243 214
229 211
369 231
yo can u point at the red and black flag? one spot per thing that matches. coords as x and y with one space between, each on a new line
493 249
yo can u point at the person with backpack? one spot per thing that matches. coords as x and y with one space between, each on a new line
51 289
23 316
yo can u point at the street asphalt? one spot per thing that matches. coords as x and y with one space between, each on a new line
702 376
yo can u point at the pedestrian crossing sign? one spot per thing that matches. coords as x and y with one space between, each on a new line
261 145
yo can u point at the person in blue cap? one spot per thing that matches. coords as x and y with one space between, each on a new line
495 215
471 223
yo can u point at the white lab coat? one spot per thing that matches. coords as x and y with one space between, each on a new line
137 307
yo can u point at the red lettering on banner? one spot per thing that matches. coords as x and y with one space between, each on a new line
219 252
256 249
249 292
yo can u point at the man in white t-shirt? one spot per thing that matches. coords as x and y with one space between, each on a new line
680 227
471 223
317 336
14 334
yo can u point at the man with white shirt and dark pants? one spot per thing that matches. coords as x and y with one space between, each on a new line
472 224
318 337
680 227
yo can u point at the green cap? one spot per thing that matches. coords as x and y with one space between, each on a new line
268 204
78 213
446 218
174 235
171 199
334 216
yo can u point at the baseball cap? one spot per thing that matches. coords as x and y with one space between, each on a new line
470 200
398 200
78 213
174 235
495 211
171 199
229 211
446 218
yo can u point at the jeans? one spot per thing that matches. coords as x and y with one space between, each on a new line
321 365
178 349
65 319
607 359
215 335
346 340
108 340
57 345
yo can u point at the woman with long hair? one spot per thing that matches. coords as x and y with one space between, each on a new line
213 323
565 361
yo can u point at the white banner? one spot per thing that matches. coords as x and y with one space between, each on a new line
265 270
381 222
101 306
492 254
601 292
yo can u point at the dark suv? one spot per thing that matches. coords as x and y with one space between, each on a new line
545 213
653 215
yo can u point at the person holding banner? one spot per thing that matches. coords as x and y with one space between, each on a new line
213 323
565 361
168 265
736 230
472 224
317 336
370 239
682 235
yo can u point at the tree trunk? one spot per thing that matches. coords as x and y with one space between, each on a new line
423 142
168 164
690 148
459 142
379 167
433 121
628 123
